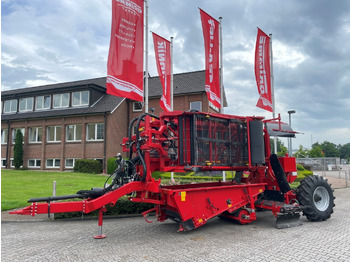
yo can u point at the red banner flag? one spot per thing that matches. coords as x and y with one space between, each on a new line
163 61
125 59
212 71
262 71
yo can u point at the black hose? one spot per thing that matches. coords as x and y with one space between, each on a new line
137 130
138 145
129 136
55 198
140 118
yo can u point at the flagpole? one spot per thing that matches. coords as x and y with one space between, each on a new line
171 87
221 80
146 59
272 89
221 68
171 76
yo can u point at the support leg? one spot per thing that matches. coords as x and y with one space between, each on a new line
100 222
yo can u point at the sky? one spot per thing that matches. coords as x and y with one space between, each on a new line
46 42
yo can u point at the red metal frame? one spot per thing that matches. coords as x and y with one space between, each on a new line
192 204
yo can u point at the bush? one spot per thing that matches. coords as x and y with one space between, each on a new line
300 167
125 206
122 207
88 166
158 174
18 150
191 177
111 165
302 174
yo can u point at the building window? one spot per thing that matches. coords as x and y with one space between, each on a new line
70 162
53 163
4 134
61 100
54 134
196 105
3 162
34 163
42 102
133 130
10 106
80 98
35 134
94 132
26 104
137 106
73 133
14 130
11 163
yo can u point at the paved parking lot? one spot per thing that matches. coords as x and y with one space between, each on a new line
132 239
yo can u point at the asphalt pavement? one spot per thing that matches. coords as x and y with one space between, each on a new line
132 239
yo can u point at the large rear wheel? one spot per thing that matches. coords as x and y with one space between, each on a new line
316 195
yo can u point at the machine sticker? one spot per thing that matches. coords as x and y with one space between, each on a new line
183 196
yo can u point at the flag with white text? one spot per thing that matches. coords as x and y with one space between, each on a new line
262 71
125 59
163 61
212 71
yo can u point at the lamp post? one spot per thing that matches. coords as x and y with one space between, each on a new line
290 112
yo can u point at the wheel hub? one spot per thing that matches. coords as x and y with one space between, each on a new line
317 198
321 198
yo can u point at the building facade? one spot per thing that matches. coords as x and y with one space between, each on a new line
78 120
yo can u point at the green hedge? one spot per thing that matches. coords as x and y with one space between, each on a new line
190 177
303 174
122 207
300 167
88 166
111 165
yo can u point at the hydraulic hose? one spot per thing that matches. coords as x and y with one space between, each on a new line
138 145
129 136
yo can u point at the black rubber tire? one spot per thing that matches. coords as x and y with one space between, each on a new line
316 195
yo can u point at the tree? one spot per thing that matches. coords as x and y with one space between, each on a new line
344 151
301 153
317 144
316 151
330 149
18 150
281 149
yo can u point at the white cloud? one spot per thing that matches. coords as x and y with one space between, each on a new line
287 55
57 41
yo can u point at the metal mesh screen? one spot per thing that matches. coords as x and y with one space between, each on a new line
220 142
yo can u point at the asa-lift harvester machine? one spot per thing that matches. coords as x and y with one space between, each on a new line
203 142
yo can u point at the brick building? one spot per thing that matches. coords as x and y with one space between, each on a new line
78 120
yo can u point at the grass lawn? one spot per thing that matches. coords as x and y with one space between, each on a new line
17 186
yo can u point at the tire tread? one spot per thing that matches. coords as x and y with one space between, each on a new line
305 198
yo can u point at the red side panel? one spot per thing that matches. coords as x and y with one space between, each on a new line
205 201
288 164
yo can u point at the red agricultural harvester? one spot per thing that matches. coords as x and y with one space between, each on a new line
203 142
